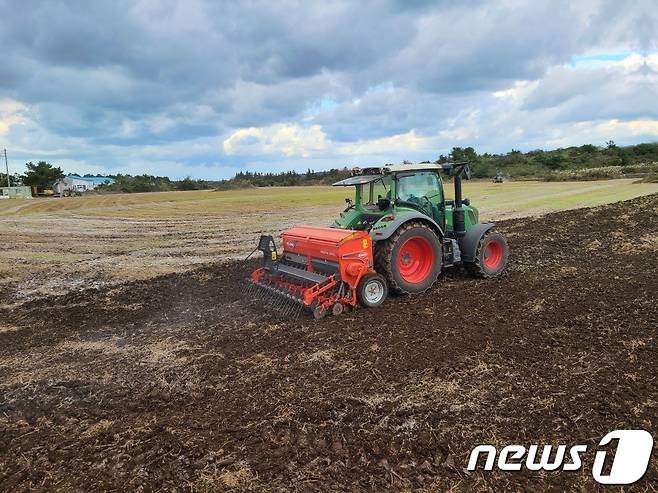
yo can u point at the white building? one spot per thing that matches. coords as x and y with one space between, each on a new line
14 192
80 183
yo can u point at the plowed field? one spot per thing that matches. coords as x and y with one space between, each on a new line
175 383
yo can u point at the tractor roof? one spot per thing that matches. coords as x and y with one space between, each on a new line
397 168
357 180
363 176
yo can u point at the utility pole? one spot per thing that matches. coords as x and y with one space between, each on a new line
7 166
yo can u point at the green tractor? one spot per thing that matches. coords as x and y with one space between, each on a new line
397 235
417 231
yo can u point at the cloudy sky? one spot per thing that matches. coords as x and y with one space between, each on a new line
206 88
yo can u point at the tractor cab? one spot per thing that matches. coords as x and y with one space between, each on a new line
384 194
421 190
373 199
373 192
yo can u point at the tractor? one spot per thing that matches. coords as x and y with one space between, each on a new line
499 178
396 235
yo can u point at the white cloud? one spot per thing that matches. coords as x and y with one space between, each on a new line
602 131
652 61
519 90
12 112
408 142
280 139
623 128
464 127
292 140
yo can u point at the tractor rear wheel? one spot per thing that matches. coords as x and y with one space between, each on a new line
410 259
490 256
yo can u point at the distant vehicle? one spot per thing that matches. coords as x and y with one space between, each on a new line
71 193
42 191
499 178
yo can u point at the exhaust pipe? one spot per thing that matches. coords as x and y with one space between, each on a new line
457 170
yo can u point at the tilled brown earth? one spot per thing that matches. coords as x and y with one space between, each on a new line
174 383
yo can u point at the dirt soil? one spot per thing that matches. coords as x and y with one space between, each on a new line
174 383
60 252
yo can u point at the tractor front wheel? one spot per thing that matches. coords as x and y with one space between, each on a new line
410 259
491 255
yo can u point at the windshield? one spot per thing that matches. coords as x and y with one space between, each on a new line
425 184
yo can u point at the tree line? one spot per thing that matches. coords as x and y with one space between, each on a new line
538 164
542 164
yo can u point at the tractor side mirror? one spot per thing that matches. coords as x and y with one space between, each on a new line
466 201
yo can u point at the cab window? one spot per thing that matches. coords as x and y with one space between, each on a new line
417 185
375 190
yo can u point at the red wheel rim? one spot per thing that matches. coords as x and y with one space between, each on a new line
493 254
415 260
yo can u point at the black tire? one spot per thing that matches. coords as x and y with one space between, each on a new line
364 290
484 266
388 251
319 313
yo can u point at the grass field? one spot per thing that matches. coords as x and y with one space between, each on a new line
513 197
52 245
